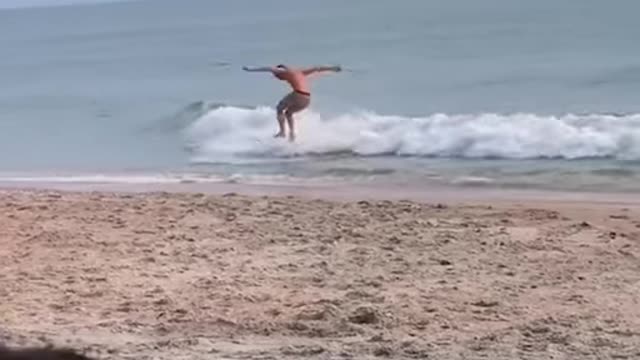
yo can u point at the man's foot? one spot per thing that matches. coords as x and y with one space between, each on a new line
279 135
292 137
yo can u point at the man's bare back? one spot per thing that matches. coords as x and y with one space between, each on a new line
297 100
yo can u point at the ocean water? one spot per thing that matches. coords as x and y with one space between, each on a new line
537 94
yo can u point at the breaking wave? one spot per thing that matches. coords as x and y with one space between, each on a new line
227 132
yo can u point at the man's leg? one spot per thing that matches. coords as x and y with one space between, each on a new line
281 118
297 104
292 130
282 110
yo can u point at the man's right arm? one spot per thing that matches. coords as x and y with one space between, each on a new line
259 69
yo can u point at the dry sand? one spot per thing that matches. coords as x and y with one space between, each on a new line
192 276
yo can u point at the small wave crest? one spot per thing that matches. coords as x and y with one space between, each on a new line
187 115
228 132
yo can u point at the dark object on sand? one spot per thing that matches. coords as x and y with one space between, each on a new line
41 353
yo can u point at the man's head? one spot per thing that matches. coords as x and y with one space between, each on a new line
281 69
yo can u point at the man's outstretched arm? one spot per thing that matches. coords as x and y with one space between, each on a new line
259 69
319 69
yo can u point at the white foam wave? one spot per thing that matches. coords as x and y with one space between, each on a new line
230 132
109 179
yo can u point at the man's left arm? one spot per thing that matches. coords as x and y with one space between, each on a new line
320 69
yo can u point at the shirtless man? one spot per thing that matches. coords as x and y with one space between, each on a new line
297 100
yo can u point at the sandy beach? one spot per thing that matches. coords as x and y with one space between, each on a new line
173 275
